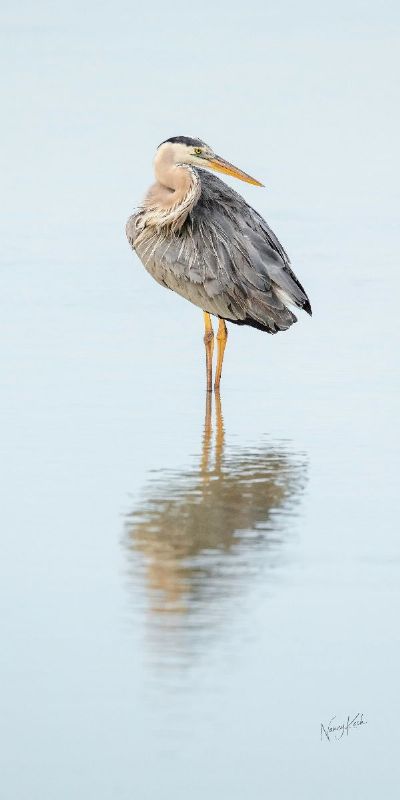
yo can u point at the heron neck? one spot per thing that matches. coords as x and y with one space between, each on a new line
175 177
174 195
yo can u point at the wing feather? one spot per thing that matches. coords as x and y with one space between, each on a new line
225 259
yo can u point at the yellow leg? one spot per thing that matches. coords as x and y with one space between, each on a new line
209 343
222 336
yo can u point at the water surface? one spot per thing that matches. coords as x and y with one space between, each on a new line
188 592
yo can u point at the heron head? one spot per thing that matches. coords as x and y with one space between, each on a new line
184 150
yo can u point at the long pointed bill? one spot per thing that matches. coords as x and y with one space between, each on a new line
220 165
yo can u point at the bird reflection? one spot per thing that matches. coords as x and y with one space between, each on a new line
201 537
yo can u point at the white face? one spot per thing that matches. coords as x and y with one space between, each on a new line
179 153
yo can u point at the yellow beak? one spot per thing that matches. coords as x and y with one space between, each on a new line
220 165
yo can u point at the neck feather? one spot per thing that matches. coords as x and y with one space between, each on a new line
171 199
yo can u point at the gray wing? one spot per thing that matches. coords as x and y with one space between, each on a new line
226 260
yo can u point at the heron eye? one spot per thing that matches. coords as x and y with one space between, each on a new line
198 151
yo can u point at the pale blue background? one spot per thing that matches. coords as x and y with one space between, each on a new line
102 383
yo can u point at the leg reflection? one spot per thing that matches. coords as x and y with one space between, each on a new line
200 535
205 464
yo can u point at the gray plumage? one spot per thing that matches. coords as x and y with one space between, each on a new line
224 259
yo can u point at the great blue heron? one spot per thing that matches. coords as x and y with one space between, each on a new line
198 237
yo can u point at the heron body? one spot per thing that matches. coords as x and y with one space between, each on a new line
198 237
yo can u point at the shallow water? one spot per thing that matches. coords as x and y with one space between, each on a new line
189 589
199 537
